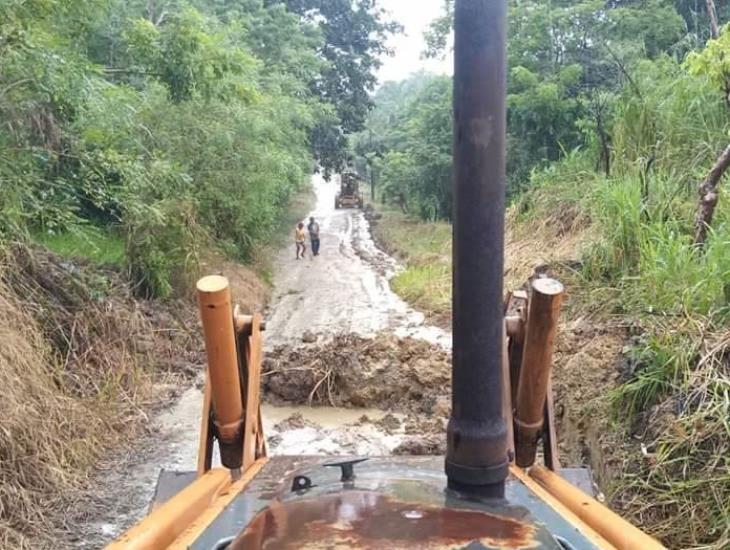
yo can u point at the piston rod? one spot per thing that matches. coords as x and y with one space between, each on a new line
216 313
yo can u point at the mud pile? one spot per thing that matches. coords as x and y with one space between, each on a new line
385 372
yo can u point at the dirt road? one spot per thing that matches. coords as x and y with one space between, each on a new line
343 291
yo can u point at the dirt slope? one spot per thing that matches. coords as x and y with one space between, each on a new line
83 365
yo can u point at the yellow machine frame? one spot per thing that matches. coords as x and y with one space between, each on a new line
181 520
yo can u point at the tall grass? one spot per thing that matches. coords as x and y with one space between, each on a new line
676 395
100 245
646 249
77 358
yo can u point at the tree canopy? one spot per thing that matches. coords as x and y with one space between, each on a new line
170 122
573 65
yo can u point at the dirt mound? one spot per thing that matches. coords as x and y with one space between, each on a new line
294 422
424 445
352 371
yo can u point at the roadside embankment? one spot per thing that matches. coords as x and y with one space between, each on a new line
83 365
638 389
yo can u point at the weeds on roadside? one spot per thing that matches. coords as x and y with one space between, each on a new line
675 396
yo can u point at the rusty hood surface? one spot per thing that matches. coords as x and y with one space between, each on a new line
387 503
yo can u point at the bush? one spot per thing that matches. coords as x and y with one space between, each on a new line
162 248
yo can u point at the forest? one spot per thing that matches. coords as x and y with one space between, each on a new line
147 130
590 79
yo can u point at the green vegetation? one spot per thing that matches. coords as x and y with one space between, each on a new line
101 247
425 249
175 124
610 132
140 141
573 65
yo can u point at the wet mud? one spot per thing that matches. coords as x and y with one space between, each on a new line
345 289
350 369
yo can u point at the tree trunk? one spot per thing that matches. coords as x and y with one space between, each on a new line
714 27
708 192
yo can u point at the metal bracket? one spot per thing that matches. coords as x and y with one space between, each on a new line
301 483
347 466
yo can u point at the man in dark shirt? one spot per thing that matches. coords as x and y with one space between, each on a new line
313 229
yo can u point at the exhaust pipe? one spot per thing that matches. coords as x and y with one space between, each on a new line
477 459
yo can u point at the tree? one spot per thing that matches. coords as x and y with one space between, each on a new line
708 197
714 29
165 122
354 38
714 62
567 59
408 141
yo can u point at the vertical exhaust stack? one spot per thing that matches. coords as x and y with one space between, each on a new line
477 459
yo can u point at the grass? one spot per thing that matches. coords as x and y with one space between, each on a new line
100 246
635 265
80 362
425 249
676 482
72 380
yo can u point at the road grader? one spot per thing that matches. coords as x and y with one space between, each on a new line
349 195
501 483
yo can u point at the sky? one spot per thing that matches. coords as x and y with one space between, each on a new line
415 16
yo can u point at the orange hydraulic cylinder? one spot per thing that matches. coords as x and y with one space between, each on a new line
542 325
167 522
214 298
608 524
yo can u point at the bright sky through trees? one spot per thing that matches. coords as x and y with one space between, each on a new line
415 16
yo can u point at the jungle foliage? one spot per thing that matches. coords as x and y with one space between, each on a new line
573 67
172 123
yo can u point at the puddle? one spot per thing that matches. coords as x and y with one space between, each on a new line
329 431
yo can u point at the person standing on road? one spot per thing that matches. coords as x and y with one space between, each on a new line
313 229
300 238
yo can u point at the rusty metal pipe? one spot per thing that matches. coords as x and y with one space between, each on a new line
542 326
477 450
214 298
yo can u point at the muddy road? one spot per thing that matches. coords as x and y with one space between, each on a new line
345 288
328 314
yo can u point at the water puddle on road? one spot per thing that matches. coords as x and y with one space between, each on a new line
289 430
306 430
